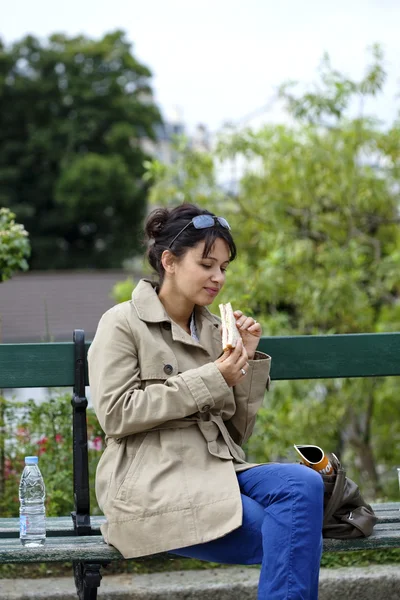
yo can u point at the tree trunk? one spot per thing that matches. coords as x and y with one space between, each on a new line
358 435
367 462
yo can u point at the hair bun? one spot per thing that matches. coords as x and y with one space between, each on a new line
156 223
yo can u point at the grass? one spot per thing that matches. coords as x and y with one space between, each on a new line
361 558
330 560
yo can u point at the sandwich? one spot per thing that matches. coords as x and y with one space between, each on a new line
230 333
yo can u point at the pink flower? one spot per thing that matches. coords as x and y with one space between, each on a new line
96 444
8 468
22 433
59 438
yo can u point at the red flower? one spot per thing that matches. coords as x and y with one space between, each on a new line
42 443
59 438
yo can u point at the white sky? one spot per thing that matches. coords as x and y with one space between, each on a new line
219 60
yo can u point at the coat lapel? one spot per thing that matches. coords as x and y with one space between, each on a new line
208 327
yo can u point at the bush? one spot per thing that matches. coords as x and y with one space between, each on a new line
14 245
122 290
45 430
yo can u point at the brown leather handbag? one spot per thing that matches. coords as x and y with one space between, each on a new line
346 514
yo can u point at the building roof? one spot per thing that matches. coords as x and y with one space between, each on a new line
47 306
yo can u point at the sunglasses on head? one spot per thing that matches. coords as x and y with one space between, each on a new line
203 222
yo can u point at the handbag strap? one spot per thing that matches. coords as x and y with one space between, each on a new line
336 497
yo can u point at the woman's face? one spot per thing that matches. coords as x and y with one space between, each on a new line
200 279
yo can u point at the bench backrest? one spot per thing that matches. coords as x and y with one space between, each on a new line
298 357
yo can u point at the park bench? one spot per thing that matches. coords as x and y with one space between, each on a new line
77 538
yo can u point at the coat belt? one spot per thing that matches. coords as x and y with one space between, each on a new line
212 427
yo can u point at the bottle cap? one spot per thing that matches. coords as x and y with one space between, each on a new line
31 460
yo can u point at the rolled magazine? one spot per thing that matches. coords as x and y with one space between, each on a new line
315 457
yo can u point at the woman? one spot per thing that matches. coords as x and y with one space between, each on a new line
176 411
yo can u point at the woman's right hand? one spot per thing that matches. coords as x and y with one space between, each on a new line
231 364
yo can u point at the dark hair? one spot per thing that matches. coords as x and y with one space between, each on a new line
163 224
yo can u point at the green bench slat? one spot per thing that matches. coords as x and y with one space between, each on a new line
380 539
346 355
390 513
37 365
91 548
294 357
386 526
55 526
386 507
388 517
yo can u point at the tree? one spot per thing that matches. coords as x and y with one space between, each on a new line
72 113
316 219
14 246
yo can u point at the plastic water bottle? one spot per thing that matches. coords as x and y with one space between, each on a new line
32 530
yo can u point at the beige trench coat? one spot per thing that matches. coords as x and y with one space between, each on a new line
174 428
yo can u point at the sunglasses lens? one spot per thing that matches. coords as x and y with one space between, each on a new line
223 222
203 221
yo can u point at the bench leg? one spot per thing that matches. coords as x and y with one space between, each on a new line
87 579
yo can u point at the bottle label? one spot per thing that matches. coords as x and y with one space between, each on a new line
22 525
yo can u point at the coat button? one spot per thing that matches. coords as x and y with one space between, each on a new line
167 326
168 369
205 408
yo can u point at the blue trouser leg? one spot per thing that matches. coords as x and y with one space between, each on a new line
281 530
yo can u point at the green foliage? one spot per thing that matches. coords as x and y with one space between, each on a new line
315 217
89 176
122 291
72 113
45 430
362 558
190 178
332 97
14 245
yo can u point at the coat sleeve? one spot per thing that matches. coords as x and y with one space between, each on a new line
121 406
249 396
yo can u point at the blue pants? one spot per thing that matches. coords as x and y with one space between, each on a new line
281 530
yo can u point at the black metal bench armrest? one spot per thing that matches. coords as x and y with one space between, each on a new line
81 514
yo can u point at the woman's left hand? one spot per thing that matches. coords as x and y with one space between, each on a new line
250 331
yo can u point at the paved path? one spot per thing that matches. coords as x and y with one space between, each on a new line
237 583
